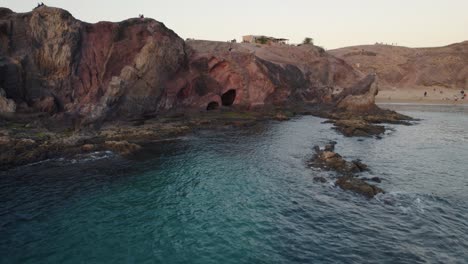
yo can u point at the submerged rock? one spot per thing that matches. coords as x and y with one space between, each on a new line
358 186
358 128
320 179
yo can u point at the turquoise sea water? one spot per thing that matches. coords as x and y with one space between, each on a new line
246 196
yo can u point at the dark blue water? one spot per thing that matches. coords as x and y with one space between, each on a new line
246 196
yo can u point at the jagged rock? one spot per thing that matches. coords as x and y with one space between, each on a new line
360 97
358 186
330 160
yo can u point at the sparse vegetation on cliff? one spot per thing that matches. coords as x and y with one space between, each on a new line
308 41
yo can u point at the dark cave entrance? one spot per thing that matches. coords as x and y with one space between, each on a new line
228 97
212 106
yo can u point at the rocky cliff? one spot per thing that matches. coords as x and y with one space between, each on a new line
403 67
52 62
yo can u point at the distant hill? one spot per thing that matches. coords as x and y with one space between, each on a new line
403 67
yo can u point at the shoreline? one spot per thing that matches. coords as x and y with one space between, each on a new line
421 96
23 141
426 103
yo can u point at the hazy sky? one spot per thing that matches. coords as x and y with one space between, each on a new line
332 23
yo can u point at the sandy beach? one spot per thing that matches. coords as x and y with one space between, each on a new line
416 96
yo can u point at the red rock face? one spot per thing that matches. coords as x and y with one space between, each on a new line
259 75
56 63
51 54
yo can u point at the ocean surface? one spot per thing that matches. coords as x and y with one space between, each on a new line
247 196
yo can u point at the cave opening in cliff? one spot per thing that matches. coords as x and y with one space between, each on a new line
212 106
228 97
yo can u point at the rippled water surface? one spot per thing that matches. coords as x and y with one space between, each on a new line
246 196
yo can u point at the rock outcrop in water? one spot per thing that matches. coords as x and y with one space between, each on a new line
328 159
359 186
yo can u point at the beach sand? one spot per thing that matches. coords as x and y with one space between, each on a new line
416 96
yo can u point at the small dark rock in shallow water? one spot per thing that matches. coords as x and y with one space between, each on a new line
360 166
330 146
358 186
320 179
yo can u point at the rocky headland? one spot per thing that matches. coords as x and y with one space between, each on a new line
69 87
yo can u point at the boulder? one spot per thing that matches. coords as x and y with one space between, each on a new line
361 96
358 186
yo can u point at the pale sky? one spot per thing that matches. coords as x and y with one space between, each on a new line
332 23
